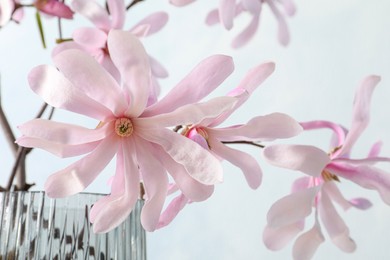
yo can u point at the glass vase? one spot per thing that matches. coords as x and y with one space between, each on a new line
34 226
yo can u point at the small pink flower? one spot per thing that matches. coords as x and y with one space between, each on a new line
136 134
320 189
229 10
261 128
93 40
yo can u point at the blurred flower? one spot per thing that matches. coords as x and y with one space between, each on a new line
286 216
137 134
54 8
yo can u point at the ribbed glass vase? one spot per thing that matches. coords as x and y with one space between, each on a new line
34 226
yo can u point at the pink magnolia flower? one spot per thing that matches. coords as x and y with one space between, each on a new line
261 128
93 40
136 134
286 216
228 10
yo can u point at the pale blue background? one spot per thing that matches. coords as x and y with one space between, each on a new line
334 45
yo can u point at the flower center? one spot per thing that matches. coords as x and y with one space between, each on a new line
328 176
123 127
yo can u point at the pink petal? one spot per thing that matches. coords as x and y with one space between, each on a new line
6 9
57 91
337 230
319 124
306 244
366 176
155 22
249 84
361 203
55 8
253 7
213 17
198 162
375 149
203 79
292 208
199 139
335 194
181 2
94 12
77 176
133 64
283 34
227 10
191 114
288 6
113 209
117 11
248 165
361 112
192 189
174 207
301 184
265 128
90 37
304 158
66 46
276 239
94 80
157 69
246 35
155 181
60 150
18 15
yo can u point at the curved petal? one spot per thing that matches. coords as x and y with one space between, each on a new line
337 129
203 79
366 176
91 37
361 112
227 11
112 210
305 158
361 203
289 7
64 133
129 56
248 165
213 17
306 244
264 128
94 12
337 230
277 238
174 207
57 91
117 10
155 22
198 162
246 35
292 208
155 181
77 176
283 33
249 83
191 114
302 183
157 69
181 2
253 7
192 189
94 80
375 149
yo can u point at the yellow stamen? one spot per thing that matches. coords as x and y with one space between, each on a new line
123 127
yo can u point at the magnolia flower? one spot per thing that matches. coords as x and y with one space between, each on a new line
93 40
261 128
319 190
228 10
136 134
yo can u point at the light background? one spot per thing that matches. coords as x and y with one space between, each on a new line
334 45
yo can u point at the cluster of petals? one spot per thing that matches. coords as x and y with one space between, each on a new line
137 134
13 10
228 10
93 40
259 129
319 189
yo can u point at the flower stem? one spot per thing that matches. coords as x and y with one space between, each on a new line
244 142
134 2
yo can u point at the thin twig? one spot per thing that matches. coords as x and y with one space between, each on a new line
244 142
134 2
19 157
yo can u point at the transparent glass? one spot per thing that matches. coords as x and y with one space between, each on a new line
34 226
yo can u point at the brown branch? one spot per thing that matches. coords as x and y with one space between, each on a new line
244 142
134 2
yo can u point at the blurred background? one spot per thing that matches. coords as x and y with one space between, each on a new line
334 45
